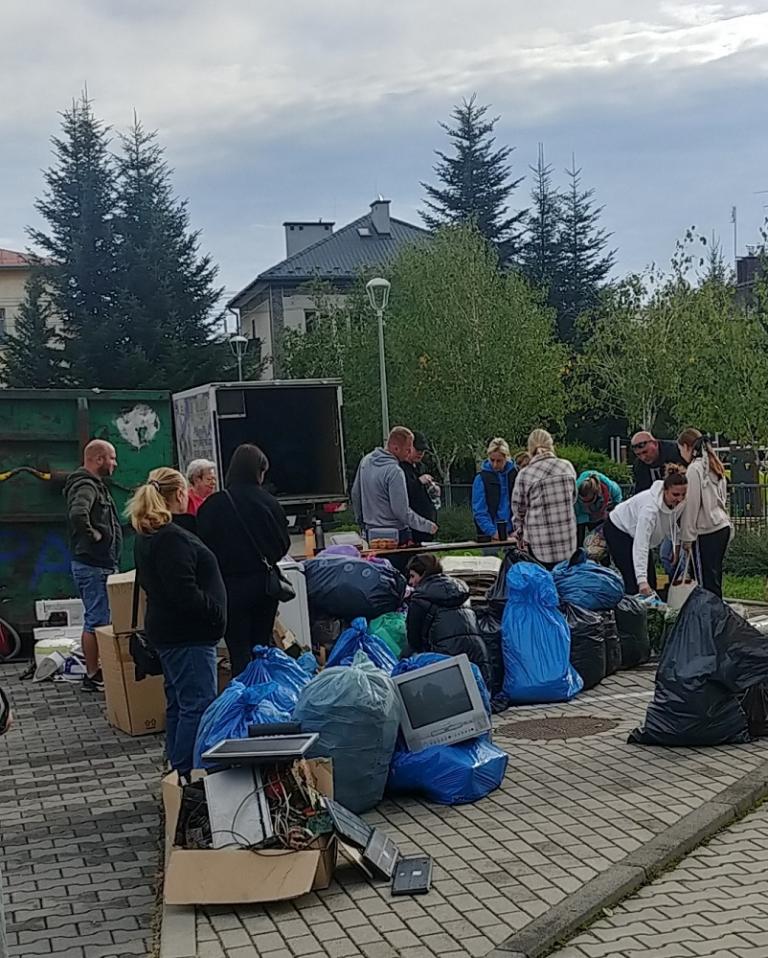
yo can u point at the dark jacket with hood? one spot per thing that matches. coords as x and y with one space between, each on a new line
95 536
492 497
440 620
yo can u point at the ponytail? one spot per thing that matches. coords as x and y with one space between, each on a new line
149 507
700 444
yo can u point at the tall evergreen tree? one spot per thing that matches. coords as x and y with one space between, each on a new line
166 288
81 246
585 261
476 180
32 356
541 249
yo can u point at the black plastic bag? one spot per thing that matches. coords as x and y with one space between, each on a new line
754 704
489 620
347 588
632 627
497 594
613 660
712 656
588 639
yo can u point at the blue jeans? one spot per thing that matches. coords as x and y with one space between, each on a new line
190 687
91 582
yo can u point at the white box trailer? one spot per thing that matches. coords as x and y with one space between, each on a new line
296 422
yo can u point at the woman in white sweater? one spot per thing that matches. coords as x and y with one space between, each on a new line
642 523
705 522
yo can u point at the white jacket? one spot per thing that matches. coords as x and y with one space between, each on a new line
649 521
706 507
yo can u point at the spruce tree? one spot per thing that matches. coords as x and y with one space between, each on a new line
476 180
32 355
540 254
167 294
80 245
585 261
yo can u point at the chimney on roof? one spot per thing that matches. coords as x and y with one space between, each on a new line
299 235
380 216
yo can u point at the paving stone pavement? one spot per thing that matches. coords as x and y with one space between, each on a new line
714 903
79 826
566 812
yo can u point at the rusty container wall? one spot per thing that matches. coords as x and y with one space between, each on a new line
45 431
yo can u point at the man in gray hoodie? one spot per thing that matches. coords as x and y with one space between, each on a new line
380 492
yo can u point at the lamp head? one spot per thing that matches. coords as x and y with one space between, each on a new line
378 292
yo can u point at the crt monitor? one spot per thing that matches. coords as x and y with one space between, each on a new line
441 704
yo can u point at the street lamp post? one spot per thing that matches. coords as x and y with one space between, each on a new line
378 297
239 346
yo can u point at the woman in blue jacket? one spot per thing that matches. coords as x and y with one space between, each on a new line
492 490
596 496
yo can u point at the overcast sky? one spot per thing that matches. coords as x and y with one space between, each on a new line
309 108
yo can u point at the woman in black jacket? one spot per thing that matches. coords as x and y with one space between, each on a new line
186 607
246 529
439 616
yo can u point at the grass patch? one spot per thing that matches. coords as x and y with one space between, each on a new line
749 587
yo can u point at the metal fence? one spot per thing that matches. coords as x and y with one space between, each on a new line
747 503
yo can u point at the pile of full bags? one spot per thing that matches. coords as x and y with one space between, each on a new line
355 710
710 660
447 774
536 640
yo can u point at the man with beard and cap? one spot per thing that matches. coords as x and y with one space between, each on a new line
423 491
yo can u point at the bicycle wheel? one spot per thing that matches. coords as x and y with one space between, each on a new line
10 643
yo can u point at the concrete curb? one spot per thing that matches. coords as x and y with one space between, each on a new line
638 868
178 935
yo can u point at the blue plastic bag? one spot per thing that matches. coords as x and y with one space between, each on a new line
357 638
356 712
587 584
447 774
536 641
273 665
234 710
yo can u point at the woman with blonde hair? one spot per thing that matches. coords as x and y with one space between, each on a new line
543 503
705 523
492 490
186 607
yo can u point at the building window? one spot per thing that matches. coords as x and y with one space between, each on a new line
3 327
311 316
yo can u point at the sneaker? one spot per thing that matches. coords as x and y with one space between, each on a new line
93 683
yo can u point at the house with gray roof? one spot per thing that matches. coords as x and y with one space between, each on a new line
277 299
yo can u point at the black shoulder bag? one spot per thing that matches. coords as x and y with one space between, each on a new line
278 587
146 661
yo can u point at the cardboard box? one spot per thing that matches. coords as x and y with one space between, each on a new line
120 591
137 708
229 876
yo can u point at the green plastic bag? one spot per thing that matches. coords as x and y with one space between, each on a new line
390 628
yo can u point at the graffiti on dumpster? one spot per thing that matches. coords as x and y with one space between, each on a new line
33 559
138 426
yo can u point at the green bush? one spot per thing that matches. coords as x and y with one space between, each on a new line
748 555
455 524
750 587
583 458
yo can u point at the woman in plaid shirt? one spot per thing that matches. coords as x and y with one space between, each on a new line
543 503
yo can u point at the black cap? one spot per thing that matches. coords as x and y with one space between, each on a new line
420 442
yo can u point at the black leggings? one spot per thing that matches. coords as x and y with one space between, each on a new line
711 550
620 550
250 620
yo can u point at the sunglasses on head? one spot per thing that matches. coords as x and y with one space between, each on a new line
640 445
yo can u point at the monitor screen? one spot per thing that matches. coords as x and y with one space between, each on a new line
435 696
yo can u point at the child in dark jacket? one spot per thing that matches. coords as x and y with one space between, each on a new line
439 616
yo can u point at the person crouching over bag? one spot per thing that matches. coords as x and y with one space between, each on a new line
186 607
439 616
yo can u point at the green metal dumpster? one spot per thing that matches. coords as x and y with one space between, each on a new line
42 436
